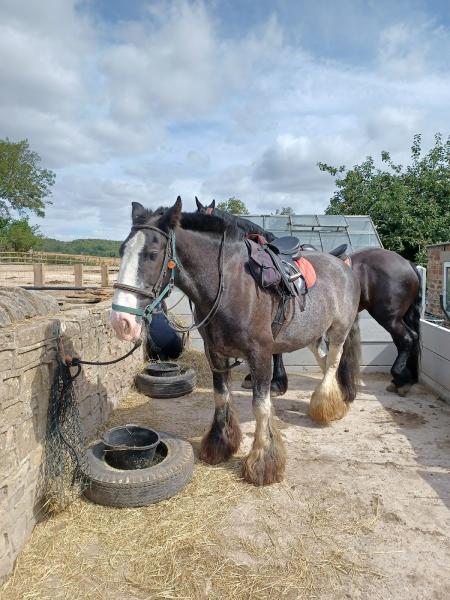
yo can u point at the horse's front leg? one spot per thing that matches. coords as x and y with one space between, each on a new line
224 436
267 459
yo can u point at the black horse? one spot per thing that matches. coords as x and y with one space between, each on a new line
391 292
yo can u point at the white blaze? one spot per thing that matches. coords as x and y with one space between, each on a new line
128 272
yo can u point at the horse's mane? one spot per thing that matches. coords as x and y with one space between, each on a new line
209 224
220 221
198 222
244 225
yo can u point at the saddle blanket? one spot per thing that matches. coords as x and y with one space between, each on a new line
307 270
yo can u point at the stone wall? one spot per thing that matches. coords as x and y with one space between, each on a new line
437 256
28 347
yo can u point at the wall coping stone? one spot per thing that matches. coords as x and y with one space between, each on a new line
17 304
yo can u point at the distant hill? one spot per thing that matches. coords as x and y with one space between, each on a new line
90 247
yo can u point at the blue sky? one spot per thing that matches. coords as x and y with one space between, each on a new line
142 101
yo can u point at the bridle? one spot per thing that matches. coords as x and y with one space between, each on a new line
155 294
170 264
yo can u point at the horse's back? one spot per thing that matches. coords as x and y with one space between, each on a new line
386 279
335 282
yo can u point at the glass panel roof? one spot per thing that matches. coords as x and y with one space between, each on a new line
323 231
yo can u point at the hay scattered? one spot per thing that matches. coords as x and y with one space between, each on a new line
185 547
197 360
218 539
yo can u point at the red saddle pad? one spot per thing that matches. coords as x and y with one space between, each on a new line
307 270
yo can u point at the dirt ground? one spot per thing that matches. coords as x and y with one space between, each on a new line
363 513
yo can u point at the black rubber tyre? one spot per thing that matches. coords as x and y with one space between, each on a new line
138 487
167 387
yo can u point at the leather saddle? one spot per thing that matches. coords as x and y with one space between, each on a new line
287 250
339 252
283 252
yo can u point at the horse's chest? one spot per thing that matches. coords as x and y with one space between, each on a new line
227 337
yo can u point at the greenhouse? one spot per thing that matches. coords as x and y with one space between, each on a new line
325 232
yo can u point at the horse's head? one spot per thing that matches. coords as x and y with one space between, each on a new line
205 210
144 266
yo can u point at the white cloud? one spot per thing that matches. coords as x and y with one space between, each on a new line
176 103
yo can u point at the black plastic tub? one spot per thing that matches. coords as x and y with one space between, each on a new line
130 446
163 369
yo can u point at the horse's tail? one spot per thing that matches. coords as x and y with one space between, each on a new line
412 320
348 374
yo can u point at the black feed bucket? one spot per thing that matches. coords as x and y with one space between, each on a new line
163 369
130 446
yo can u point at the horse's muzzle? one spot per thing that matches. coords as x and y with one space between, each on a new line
125 326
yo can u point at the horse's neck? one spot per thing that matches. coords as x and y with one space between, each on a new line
198 276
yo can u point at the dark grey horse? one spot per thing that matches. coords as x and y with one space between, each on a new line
390 291
211 257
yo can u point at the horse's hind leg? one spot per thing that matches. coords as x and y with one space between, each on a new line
327 402
320 358
266 461
224 436
403 338
279 383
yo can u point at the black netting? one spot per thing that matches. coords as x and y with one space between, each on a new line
65 445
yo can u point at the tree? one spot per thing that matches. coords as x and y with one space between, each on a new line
409 206
287 210
19 235
233 205
24 185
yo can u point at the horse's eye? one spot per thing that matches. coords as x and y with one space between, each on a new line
152 255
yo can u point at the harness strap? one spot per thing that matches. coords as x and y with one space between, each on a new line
132 288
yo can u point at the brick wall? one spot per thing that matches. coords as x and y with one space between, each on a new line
437 256
27 364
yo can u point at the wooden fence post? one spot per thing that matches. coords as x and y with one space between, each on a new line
105 275
38 275
78 271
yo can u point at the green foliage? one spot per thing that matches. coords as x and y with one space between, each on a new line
410 206
90 247
23 184
19 235
233 205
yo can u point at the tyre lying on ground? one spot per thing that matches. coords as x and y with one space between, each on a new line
163 380
138 487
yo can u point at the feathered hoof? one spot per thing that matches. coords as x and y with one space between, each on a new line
277 388
264 466
222 440
403 390
327 405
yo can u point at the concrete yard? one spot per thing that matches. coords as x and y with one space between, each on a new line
365 504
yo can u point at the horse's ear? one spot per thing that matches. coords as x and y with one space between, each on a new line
137 212
175 213
198 203
213 204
